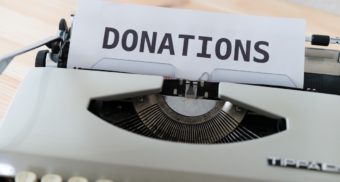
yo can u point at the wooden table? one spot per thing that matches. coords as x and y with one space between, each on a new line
24 22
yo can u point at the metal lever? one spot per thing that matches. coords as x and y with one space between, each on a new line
5 60
191 89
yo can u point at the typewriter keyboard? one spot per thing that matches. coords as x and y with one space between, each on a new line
27 176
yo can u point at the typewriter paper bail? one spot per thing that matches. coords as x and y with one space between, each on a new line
188 44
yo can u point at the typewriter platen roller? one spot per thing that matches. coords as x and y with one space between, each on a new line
129 127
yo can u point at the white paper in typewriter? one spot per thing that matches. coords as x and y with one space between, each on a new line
188 44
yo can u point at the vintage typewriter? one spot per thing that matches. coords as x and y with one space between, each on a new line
90 124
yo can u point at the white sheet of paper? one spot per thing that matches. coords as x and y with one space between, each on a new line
188 44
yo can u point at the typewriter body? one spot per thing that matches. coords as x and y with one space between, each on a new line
129 127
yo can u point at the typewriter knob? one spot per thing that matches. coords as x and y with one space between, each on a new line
104 180
40 59
25 176
77 179
63 25
51 178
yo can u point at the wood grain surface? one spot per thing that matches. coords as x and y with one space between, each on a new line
23 22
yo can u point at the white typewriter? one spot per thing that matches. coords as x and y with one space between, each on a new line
88 125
